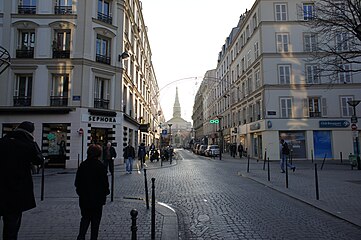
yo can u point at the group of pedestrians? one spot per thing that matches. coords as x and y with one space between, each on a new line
233 149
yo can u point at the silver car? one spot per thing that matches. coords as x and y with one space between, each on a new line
212 151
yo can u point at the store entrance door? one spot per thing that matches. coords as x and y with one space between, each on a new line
99 136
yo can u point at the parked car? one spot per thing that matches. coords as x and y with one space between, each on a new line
212 151
195 148
202 149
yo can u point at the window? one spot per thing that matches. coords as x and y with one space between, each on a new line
26 44
60 90
257 78
103 50
63 7
342 42
310 42
101 93
286 107
308 9
256 50
249 58
314 107
23 89
346 109
61 44
255 21
281 12
282 42
104 11
250 84
312 74
284 74
344 75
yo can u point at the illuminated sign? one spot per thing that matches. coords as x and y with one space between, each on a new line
214 121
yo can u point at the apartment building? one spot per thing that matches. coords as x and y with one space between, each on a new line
82 72
267 87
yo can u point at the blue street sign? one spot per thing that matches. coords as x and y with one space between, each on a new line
334 124
164 132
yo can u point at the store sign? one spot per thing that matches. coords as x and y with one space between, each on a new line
144 127
101 119
255 126
214 121
334 124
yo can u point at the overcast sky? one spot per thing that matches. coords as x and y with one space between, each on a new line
185 38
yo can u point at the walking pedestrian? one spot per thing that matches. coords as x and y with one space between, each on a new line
142 151
285 152
240 150
92 186
170 153
19 152
109 154
129 155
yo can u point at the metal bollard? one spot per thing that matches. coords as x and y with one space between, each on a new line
323 162
248 163
265 157
286 167
153 211
134 228
112 186
146 188
312 155
42 179
78 159
341 156
316 181
269 170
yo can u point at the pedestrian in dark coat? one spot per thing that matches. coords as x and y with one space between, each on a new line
92 186
142 151
18 152
109 154
129 155
240 150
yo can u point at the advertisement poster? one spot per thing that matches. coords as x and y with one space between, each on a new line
296 142
322 144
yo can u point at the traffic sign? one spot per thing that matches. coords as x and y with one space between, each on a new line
164 132
353 119
353 126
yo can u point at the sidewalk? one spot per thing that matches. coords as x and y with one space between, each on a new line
58 216
339 186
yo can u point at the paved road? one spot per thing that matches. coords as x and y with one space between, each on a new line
211 198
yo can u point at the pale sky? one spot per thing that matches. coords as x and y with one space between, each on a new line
185 38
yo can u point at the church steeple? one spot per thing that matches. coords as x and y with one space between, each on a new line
176 106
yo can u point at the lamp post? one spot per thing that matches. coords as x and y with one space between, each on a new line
220 137
170 133
353 104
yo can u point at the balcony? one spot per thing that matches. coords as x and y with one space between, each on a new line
63 10
101 103
105 18
61 53
25 9
21 101
58 101
102 59
25 53
315 114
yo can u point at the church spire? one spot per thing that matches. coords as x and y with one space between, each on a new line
176 106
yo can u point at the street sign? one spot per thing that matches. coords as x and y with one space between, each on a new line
164 132
353 126
214 121
334 124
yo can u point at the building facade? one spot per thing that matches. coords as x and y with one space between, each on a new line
82 72
267 89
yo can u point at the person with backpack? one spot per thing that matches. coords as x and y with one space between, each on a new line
285 152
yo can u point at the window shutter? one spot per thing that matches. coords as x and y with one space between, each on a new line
324 107
305 107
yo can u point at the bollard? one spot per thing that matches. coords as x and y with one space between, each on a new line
268 169
291 156
248 163
78 159
286 167
265 157
42 179
161 159
146 188
316 181
341 156
312 155
153 211
324 159
112 186
134 228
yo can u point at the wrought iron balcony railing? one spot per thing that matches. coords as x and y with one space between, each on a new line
58 101
315 114
101 103
105 18
102 59
62 10
61 53
21 101
25 9
25 53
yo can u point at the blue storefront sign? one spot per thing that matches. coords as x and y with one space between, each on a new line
322 144
334 124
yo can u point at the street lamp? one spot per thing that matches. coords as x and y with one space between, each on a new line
220 137
353 104
170 133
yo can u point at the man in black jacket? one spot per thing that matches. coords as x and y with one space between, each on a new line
92 186
109 154
18 152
